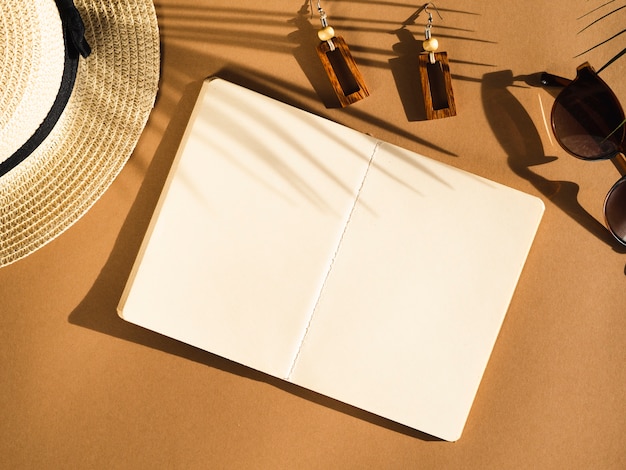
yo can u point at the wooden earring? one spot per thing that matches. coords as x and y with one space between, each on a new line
339 65
435 75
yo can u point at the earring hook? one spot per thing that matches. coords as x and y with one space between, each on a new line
430 43
424 8
429 24
430 15
320 11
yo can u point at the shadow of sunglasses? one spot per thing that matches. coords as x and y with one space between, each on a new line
588 122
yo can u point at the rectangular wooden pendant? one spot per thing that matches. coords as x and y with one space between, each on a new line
437 86
342 71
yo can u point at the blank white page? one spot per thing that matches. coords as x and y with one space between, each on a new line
320 255
418 292
247 225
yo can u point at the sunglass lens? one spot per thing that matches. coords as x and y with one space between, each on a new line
615 210
585 117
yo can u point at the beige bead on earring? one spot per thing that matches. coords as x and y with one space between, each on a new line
326 33
430 45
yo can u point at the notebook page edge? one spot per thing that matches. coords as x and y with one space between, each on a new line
161 200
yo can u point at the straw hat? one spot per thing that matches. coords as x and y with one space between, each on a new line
74 98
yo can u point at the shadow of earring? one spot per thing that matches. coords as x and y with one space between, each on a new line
404 69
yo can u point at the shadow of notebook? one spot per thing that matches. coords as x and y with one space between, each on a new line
327 258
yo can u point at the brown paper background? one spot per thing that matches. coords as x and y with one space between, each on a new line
81 388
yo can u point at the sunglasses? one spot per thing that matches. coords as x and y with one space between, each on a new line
588 123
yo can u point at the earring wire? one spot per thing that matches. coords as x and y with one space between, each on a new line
323 21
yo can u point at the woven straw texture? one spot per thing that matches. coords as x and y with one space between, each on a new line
114 93
30 76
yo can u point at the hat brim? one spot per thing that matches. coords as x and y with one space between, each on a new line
113 96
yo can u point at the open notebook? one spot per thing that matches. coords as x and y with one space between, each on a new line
323 256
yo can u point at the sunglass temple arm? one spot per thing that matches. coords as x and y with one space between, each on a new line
547 79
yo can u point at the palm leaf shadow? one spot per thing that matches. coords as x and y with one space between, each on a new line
597 22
